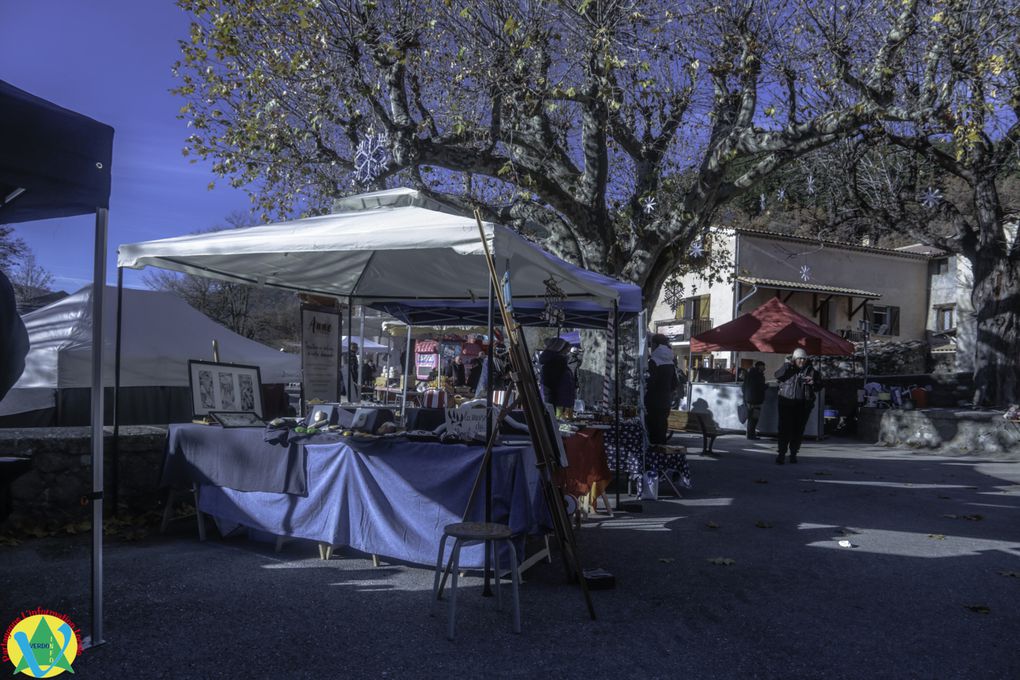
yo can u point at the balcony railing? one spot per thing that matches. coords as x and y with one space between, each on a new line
681 330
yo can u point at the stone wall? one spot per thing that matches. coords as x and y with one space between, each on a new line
912 357
61 471
967 432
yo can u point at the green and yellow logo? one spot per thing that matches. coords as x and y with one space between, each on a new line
41 644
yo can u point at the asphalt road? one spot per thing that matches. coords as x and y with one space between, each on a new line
929 587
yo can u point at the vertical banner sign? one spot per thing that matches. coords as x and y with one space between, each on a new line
320 353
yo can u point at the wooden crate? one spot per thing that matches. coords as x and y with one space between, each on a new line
678 420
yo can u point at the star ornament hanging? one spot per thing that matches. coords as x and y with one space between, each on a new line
805 273
930 198
648 205
371 157
697 249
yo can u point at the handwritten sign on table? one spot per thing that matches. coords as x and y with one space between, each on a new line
468 423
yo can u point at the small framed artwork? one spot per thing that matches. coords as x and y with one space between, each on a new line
224 387
322 414
237 419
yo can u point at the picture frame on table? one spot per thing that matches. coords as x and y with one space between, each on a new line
237 419
329 417
225 388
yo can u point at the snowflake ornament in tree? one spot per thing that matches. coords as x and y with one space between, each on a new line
697 249
762 202
553 313
805 273
781 194
930 198
371 158
811 184
648 204
673 294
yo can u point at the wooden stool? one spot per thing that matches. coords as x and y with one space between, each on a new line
465 533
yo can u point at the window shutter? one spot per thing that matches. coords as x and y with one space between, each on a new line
894 321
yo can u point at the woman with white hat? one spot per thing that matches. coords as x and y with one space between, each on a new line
799 382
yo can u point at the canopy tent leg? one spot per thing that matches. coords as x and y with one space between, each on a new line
98 288
616 395
347 354
361 351
486 588
115 450
405 380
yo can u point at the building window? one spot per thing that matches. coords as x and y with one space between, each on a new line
941 266
693 308
945 318
885 320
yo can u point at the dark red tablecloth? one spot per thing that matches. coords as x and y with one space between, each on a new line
586 455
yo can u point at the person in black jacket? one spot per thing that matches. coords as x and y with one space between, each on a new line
754 396
799 382
558 387
13 338
662 383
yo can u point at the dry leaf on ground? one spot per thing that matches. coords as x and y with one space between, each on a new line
723 561
761 524
711 525
937 537
978 608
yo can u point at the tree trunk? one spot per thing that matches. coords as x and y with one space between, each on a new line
996 298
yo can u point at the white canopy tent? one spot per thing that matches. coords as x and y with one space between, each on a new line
161 333
387 245
364 343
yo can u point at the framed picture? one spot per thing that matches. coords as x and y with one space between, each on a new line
237 419
224 387
323 414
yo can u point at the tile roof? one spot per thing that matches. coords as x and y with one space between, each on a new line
807 287
842 245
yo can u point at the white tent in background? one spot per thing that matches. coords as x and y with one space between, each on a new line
161 333
365 344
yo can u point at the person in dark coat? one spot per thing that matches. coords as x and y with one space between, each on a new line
474 373
455 371
754 396
558 387
13 338
662 383
799 382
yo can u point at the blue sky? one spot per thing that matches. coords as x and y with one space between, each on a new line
110 60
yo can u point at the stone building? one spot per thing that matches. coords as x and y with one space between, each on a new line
912 294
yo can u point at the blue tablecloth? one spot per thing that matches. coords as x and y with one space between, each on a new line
238 458
390 497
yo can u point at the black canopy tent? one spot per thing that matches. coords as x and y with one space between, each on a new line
56 163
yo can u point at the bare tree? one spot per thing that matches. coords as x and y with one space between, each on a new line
29 278
610 129
943 167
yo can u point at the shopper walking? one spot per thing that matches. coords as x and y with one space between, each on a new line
799 382
662 383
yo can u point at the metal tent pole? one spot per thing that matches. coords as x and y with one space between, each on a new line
361 351
616 395
347 354
115 452
405 380
486 589
98 288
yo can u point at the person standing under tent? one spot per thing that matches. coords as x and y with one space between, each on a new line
455 371
799 382
557 380
754 396
474 373
662 383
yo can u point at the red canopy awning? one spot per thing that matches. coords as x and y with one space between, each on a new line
773 327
